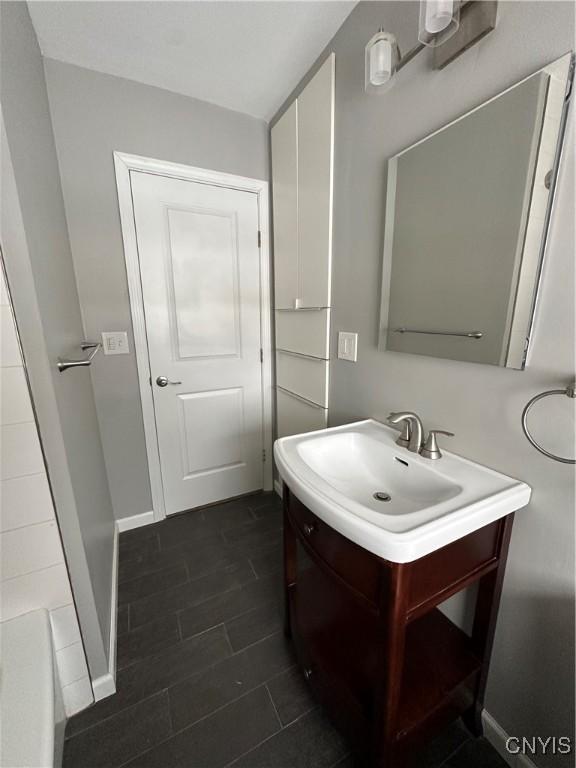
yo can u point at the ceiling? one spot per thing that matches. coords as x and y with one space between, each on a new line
245 56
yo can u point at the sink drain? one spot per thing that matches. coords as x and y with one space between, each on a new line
382 496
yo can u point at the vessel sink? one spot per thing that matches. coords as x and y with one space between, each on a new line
392 502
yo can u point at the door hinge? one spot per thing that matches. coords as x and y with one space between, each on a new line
263 454
261 355
259 239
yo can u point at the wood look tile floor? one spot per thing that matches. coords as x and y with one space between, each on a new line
205 676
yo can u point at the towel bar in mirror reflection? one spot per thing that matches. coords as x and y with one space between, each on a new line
467 334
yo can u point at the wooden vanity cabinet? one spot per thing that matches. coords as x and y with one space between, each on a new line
389 667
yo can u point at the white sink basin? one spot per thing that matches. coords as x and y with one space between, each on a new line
336 472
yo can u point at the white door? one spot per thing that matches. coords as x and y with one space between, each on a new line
200 272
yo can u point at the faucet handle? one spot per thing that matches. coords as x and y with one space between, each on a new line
405 435
430 450
405 430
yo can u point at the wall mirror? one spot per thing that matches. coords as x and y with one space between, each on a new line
467 214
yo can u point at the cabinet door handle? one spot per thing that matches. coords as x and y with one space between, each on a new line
307 673
309 529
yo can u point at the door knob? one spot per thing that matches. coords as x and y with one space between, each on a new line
163 381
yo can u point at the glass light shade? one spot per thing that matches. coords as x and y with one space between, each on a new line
439 19
381 61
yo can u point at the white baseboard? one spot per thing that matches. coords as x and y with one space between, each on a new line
278 487
114 607
105 685
135 521
498 737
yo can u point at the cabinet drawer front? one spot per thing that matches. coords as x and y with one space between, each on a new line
450 566
303 331
357 567
295 415
305 376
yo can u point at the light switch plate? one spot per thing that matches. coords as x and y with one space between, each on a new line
348 346
115 343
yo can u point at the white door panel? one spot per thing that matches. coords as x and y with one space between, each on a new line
204 281
199 263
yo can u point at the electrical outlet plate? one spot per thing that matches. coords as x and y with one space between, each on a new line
115 343
348 346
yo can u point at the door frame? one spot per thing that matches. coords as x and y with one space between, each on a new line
124 163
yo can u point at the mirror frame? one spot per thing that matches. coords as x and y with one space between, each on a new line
529 278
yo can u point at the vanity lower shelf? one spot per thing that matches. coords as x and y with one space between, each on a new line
389 667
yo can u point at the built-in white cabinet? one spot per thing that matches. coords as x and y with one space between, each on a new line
285 207
315 162
302 168
302 179
296 415
304 376
304 331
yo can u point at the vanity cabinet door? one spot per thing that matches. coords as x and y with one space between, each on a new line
335 635
315 162
285 204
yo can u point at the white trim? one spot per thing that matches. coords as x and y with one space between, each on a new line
498 737
332 58
124 163
266 334
134 521
123 166
105 685
278 487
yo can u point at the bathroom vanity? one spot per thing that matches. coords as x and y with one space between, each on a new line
389 667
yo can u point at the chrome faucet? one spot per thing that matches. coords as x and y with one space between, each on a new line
412 435
412 432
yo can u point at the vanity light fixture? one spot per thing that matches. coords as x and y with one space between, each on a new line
381 60
439 20
465 21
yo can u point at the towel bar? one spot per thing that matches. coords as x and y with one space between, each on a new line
93 346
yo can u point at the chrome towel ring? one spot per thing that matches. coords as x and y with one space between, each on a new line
569 391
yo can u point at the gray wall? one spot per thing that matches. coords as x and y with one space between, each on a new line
41 277
93 115
532 675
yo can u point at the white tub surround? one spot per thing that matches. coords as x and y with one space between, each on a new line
31 706
33 574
